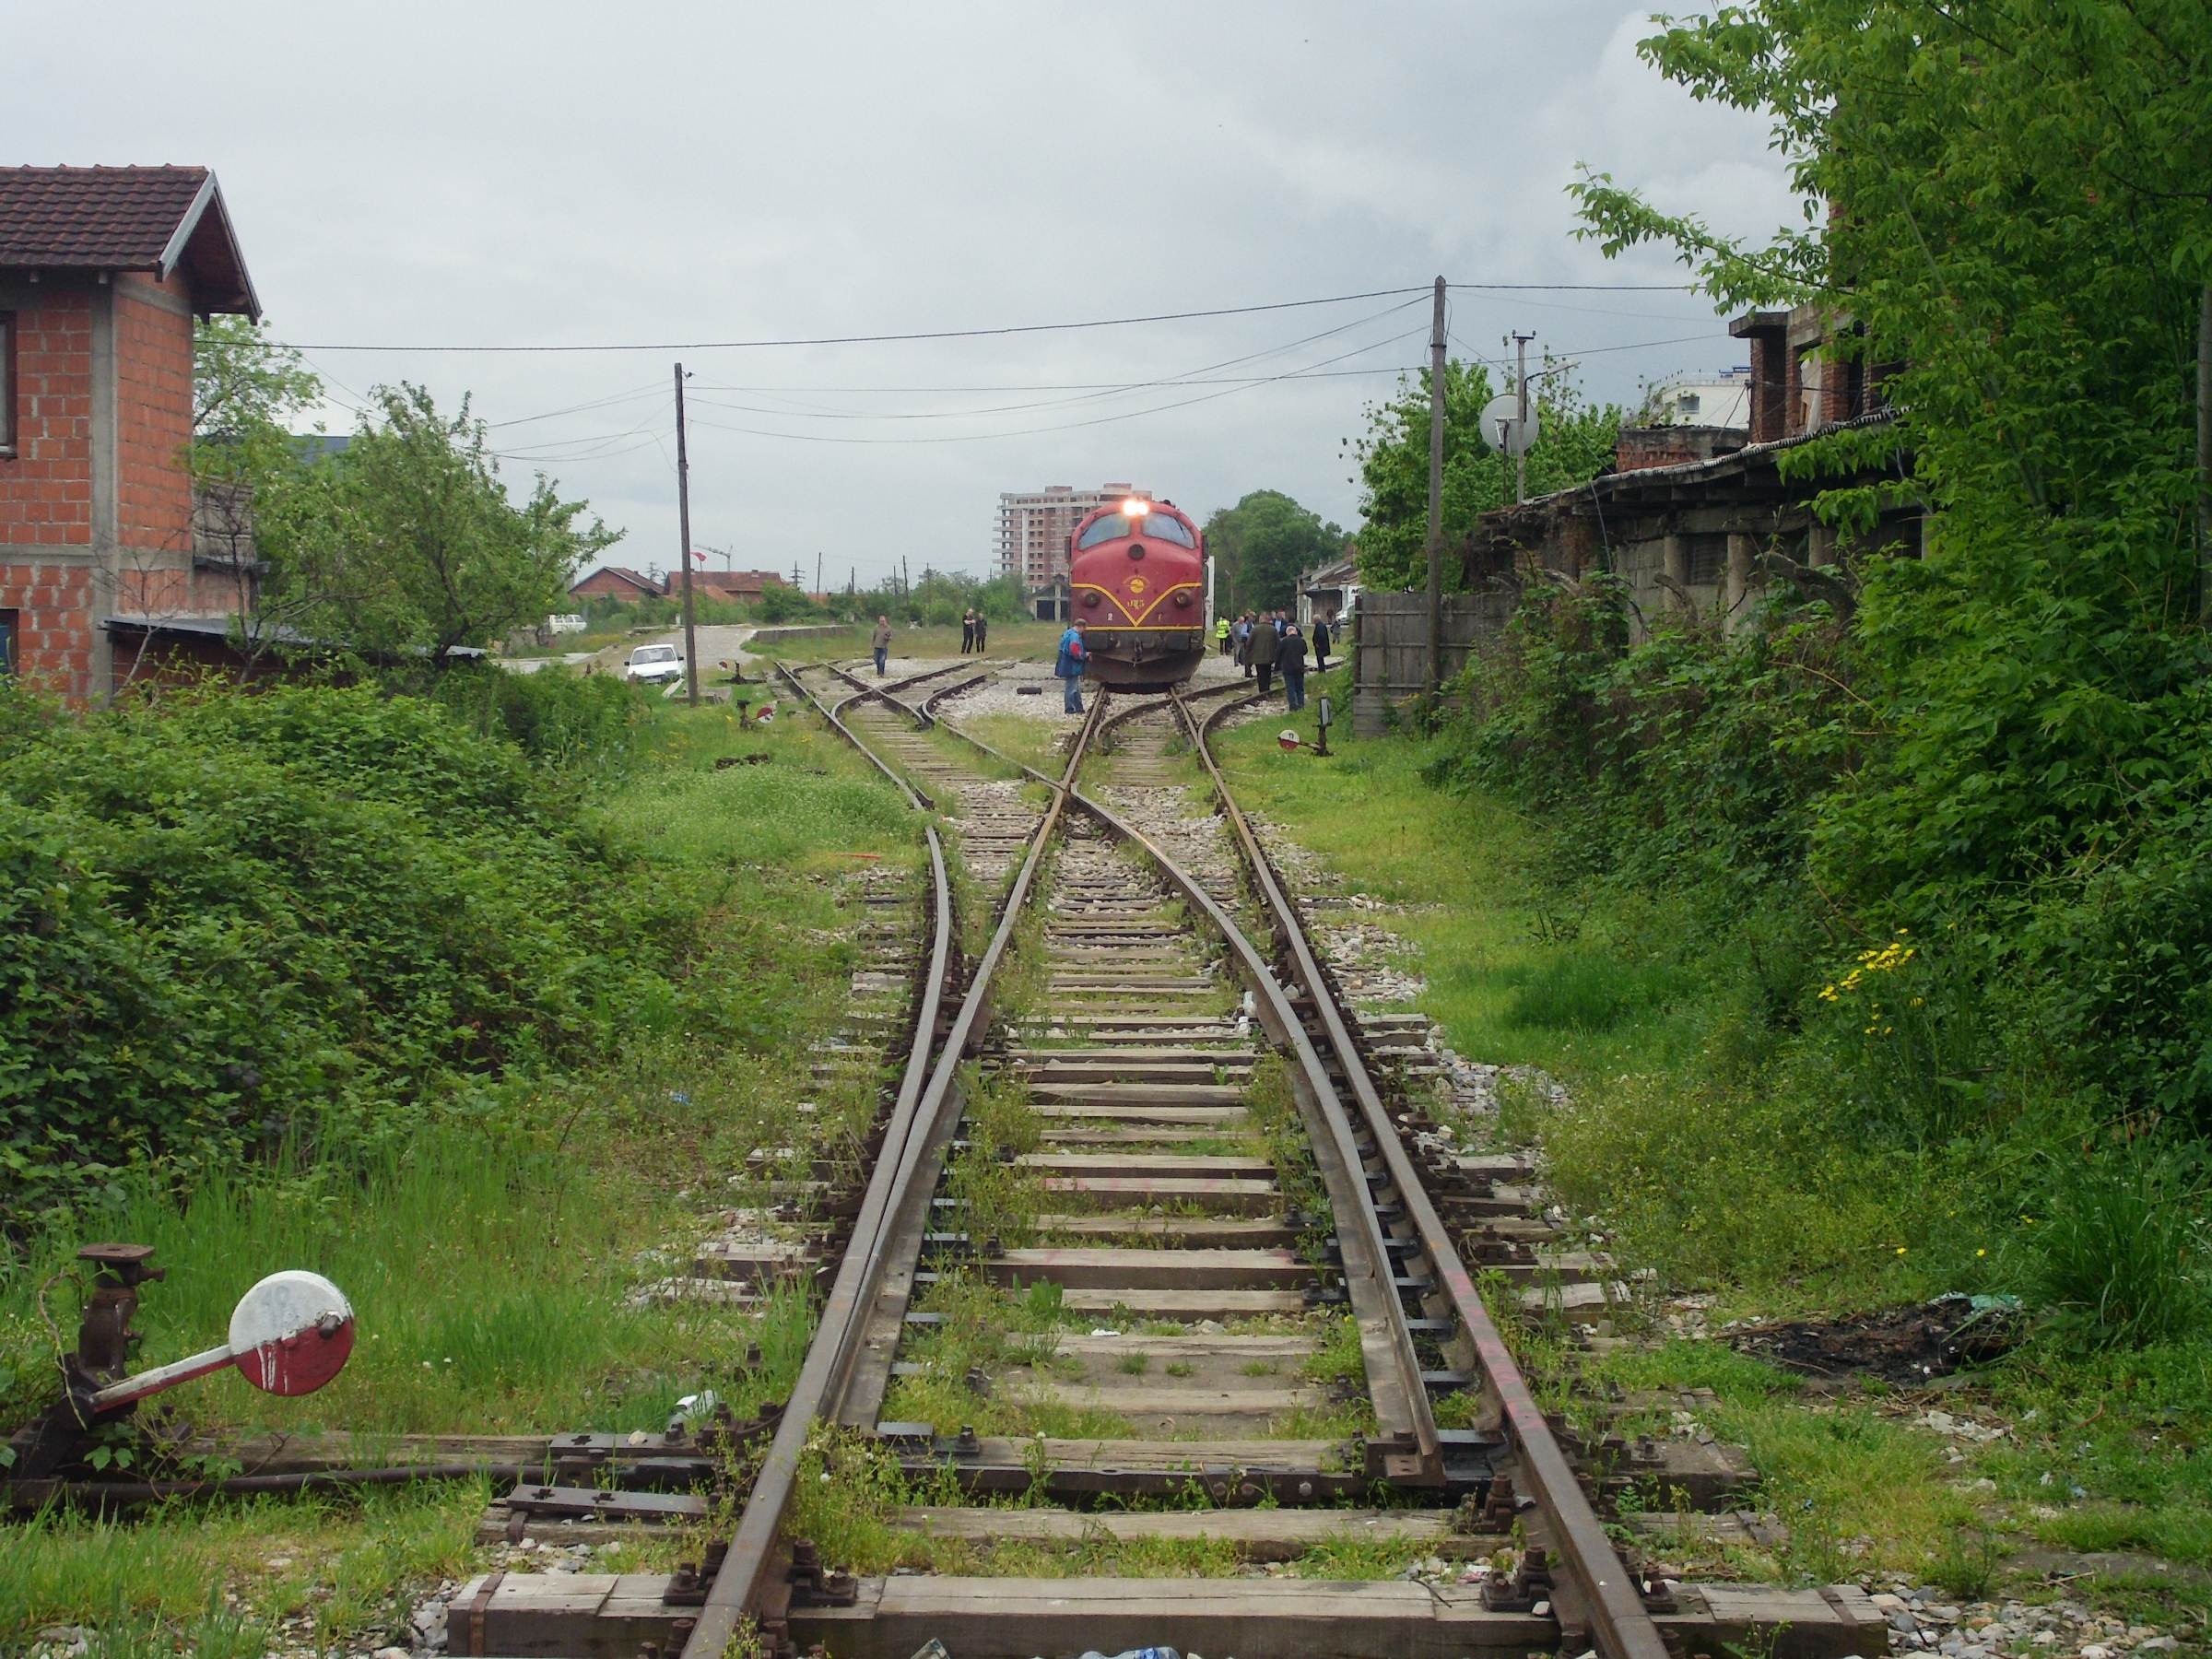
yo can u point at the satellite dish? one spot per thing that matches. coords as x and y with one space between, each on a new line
1502 428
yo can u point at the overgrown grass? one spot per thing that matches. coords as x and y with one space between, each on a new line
222 1580
489 1250
1038 744
1736 1162
1602 993
490 1299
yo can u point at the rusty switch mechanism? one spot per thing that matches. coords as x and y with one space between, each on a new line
290 1335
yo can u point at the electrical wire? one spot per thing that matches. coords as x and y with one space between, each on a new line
1321 370
1002 330
1089 394
1034 431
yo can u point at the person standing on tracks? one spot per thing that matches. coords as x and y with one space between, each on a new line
1243 640
983 632
966 632
1320 644
1263 648
1290 657
1073 659
881 643
1221 633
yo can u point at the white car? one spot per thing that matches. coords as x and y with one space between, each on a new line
655 664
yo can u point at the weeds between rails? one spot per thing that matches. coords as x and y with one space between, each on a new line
1141 1325
990 1196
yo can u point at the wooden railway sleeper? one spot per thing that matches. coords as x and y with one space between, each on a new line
1595 1597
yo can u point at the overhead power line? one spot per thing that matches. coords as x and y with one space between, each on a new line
994 332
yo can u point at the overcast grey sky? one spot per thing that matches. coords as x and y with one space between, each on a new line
561 175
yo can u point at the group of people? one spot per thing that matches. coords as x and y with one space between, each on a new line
1264 641
1260 643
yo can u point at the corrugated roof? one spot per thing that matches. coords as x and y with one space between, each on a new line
125 219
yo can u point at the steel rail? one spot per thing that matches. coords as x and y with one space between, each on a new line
742 1584
863 691
928 709
1393 1364
1621 1626
914 680
914 797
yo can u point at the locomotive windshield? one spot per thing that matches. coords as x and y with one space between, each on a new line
1160 526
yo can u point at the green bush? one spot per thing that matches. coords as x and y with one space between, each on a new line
574 721
228 920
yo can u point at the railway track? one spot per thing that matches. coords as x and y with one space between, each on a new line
1150 1251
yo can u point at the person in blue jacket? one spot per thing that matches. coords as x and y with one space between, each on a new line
1074 658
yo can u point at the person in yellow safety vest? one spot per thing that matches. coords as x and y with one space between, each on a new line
1221 635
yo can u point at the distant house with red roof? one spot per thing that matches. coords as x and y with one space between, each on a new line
102 270
616 581
743 586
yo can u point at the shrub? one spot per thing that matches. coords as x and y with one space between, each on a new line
224 919
593 722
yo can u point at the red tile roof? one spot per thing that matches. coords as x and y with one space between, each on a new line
125 219
620 573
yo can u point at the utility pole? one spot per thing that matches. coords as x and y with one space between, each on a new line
1433 674
1521 416
683 513
817 572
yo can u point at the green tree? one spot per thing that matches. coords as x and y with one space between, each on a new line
266 502
2011 202
455 562
1575 442
1260 545
243 384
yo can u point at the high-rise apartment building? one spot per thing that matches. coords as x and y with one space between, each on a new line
1034 525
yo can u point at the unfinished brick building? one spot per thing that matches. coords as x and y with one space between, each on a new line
102 270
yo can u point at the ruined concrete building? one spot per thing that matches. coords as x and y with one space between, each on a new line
1700 518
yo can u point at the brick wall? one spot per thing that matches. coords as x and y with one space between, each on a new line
51 572
46 491
153 416
53 639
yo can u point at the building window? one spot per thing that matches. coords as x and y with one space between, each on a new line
8 620
1708 558
7 386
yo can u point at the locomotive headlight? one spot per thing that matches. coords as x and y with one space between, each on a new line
1136 508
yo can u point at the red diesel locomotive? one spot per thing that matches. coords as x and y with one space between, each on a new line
1137 576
